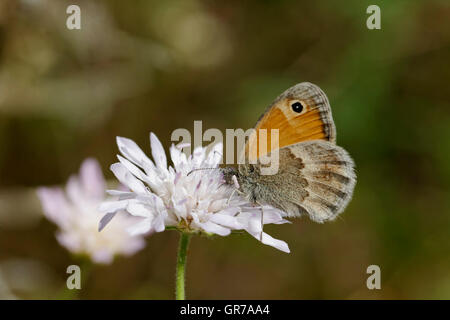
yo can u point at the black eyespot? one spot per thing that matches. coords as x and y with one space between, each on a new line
297 107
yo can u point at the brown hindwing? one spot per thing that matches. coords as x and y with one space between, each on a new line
316 178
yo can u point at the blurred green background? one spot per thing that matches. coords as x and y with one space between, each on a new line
140 66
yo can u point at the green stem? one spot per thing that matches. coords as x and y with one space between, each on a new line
181 266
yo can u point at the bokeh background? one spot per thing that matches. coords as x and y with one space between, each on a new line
141 66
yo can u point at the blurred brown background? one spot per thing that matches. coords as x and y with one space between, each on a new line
140 66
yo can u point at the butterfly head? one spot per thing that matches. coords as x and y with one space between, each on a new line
228 174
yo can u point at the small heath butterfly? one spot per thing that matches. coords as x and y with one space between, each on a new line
314 176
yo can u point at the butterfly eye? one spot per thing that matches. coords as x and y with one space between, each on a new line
297 107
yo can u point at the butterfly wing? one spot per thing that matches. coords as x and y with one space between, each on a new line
301 113
316 178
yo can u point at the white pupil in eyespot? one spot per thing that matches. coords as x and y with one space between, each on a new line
297 107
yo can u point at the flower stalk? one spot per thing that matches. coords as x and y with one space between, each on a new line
181 266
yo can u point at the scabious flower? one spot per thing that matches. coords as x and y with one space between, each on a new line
177 197
75 212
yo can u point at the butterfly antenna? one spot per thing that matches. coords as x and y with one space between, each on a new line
198 169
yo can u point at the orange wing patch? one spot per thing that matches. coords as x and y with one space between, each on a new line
314 122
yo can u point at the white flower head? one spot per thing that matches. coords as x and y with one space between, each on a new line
177 197
75 211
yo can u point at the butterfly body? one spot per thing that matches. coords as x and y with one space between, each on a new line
314 176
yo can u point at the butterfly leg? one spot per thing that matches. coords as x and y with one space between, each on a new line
231 196
236 189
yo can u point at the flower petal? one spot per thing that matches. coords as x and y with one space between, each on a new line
131 150
105 220
215 228
138 209
133 169
214 157
124 176
175 155
254 225
141 227
270 241
198 156
158 152
158 223
112 206
92 180
75 191
153 179
55 205
226 221
103 256
123 195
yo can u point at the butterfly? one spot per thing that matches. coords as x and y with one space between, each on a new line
315 177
